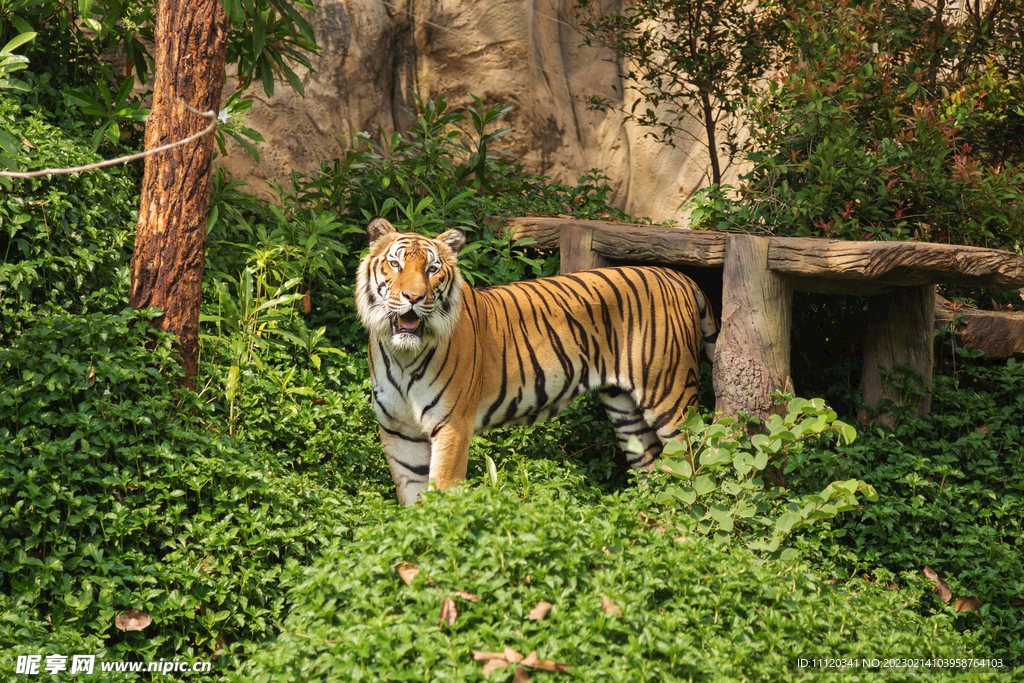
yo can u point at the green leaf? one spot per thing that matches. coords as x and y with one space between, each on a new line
16 42
672 447
704 485
847 432
785 523
677 467
722 515
712 457
760 460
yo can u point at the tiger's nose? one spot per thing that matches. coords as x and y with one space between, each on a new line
413 297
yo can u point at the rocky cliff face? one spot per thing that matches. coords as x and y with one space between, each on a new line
377 53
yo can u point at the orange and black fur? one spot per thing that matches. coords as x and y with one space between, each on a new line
448 361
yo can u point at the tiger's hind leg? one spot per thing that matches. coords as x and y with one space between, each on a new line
628 420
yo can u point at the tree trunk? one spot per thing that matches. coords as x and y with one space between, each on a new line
170 242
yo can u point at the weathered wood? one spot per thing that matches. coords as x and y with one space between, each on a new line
904 264
631 242
576 250
818 265
753 349
899 332
996 334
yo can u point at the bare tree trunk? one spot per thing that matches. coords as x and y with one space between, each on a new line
170 242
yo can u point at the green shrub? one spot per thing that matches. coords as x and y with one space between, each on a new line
723 474
889 122
117 497
951 497
690 610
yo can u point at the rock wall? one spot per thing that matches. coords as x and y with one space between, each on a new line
377 53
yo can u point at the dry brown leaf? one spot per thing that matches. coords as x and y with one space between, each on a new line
512 657
681 539
530 659
132 620
204 567
604 548
527 580
28 144
494 665
652 523
940 586
92 376
610 607
967 604
481 656
540 611
520 676
892 586
466 596
449 613
307 306
1017 602
406 570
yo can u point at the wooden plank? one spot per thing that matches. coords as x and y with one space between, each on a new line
629 241
906 264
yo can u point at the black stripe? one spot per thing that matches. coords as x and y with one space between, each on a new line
421 470
413 439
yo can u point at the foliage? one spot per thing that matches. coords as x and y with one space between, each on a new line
58 245
886 123
687 609
951 497
255 520
118 497
688 61
723 472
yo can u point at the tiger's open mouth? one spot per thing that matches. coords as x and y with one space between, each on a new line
408 323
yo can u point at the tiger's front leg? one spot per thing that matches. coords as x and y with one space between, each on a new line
450 453
409 460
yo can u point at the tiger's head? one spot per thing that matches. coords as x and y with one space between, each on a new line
409 289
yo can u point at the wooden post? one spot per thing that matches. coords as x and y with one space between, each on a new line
576 250
752 352
899 332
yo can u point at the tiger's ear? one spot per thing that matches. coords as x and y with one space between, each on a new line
454 238
378 227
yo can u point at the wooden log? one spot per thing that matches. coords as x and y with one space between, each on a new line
576 250
996 334
904 264
630 242
753 349
898 332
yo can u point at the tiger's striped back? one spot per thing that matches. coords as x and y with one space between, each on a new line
632 333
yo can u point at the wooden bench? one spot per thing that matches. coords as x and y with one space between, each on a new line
759 276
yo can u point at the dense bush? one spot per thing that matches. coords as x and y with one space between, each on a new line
689 610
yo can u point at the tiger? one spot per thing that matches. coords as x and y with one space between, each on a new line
448 361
